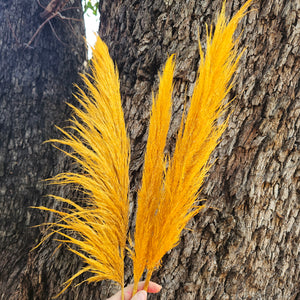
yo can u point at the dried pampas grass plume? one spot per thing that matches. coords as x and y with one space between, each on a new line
176 192
101 148
96 228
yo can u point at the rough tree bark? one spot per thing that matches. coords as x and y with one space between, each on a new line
35 82
245 244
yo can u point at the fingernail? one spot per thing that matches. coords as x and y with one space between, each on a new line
141 295
158 286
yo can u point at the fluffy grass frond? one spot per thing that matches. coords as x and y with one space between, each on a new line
198 136
96 228
101 148
154 167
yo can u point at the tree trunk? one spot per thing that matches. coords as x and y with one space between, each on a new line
35 83
245 244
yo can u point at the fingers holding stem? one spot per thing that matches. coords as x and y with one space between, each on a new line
141 293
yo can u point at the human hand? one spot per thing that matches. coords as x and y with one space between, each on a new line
140 295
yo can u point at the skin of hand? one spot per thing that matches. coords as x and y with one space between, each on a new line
140 295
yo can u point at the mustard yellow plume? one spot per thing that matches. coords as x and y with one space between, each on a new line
96 228
100 146
154 167
175 202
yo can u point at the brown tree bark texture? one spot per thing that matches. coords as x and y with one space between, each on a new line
245 244
35 83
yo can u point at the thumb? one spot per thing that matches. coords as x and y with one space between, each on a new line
141 295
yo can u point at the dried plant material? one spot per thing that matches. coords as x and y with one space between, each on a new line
101 147
154 167
97 230
176 202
